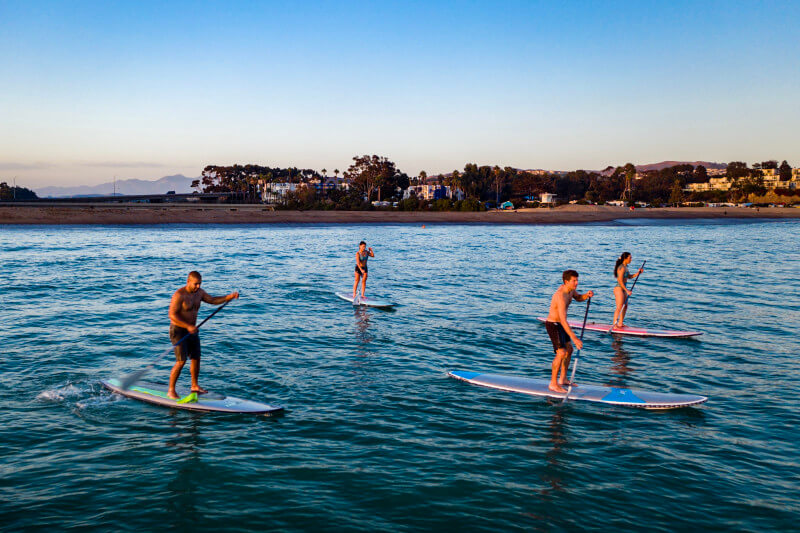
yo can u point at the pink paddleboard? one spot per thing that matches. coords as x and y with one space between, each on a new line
627 330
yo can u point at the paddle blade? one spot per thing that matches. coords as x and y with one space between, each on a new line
131 379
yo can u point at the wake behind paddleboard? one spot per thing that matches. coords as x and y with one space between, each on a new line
157 393
589 393
369 302
627 330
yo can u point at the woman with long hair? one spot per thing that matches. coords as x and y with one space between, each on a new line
621 292
361 268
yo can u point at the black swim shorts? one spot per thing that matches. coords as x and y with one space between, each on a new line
557 334
358 271
189 348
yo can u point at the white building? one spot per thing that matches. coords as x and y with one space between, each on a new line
547 198
276 192
433 192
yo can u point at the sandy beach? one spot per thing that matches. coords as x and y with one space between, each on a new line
85 213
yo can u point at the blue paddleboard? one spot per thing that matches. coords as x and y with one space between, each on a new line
589 393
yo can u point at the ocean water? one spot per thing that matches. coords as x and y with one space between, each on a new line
375 436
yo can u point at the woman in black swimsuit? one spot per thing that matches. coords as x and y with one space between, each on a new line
621 291
362 255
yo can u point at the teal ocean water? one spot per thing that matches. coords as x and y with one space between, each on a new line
375 436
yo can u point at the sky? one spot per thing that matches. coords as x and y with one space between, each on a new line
90 91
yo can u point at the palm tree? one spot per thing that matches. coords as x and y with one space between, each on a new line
455 181
498 178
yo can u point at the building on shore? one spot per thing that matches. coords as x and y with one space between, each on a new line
772 181
325 185
275 192
432 191
547 198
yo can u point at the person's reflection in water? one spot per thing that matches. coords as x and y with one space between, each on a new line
621 361
191 473
362 332
553 472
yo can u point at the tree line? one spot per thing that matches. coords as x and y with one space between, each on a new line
10 192
373 177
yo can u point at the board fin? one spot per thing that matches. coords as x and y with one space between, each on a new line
189 398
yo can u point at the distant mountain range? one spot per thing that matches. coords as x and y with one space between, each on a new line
666 164
644 168
178 183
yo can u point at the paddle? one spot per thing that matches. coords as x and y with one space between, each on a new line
575 364
625 301
129 380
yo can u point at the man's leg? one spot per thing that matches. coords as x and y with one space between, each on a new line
173 379
558 361
194 369
565 365
364 284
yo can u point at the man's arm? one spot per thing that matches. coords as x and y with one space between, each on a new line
583 297
371 253
174 313
216 300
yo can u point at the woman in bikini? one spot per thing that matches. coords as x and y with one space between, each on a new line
362 255
621 291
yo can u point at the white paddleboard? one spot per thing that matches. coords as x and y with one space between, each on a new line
627 330
157 393
369 302
589 393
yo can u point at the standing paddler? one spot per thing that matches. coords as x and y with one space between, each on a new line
362 255
621 291
183 311
558 328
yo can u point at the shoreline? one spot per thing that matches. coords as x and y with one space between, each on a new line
139 214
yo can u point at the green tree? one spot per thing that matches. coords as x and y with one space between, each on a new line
375 173
498 179
676 195
700 174
737 169
455 181
8 193
785 171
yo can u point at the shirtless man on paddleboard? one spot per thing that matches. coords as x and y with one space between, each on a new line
182 317
558 328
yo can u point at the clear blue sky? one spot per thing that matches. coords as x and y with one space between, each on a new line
90 90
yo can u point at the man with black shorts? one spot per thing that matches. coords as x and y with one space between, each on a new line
558 328
183 316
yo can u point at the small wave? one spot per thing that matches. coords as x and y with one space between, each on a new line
94 401
61 394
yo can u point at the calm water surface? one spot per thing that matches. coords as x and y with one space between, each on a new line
375 435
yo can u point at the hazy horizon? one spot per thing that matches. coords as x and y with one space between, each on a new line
142 91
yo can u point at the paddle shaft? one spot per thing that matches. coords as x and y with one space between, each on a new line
575 364
136 376
633 285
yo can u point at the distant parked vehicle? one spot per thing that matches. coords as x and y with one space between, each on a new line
506 205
